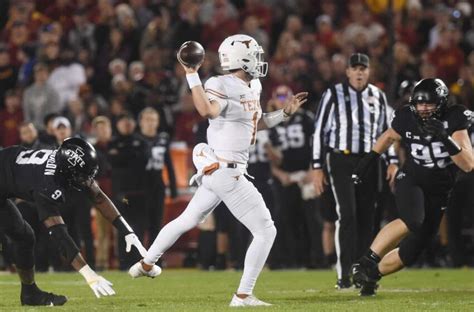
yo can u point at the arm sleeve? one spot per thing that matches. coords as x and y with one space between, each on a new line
322 125
47 203
463 117
215 91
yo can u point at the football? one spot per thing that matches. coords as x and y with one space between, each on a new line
191 54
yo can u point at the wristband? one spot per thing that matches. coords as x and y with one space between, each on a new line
451 146
122 226
88 274
193 80
274 118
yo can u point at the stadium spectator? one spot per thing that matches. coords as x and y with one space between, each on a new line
68 77
10 119
8 73
40 99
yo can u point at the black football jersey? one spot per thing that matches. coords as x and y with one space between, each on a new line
293 138
424 150
258 164
157 150
29 175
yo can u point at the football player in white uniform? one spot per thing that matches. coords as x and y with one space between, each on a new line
232 104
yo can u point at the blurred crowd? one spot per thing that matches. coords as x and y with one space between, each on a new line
106 70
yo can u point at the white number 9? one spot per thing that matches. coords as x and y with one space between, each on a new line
56 194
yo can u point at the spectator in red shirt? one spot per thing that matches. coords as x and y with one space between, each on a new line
10 119
447 57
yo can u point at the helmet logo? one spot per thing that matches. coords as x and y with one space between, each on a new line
442 91
246 42
75 157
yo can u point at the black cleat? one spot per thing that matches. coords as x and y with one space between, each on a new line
343 284
361 276
368 289
42 298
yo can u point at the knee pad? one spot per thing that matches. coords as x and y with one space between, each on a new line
410 248
22 234
66 247
23 247
414 226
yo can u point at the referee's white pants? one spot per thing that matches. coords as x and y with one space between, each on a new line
244 202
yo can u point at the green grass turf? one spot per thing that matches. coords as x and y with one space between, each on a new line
193 290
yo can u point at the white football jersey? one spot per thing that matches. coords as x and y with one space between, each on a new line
232 133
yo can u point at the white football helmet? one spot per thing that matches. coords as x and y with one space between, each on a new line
243 52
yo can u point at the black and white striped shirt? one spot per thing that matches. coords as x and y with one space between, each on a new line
350 121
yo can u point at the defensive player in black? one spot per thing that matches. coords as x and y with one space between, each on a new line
436 141
157 144
299 228
43 176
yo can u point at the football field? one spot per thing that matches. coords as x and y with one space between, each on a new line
193 290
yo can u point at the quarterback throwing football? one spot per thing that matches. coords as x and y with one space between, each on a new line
232 104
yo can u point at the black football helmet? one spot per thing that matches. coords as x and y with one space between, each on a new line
77 163
430 91
405 89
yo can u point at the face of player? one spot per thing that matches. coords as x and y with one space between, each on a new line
358 76
126 126
425 110
149 123
103 132
28 134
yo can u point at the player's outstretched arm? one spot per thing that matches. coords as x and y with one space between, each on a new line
69 251
107 208
272 119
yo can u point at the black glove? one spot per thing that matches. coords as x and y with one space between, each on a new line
435 127
363 166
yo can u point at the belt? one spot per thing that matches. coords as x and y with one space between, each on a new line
223 164
346 152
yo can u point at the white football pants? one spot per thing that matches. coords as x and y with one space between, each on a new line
244 202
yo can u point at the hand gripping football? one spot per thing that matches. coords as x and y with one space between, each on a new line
191 54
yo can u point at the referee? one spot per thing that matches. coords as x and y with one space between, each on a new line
350 117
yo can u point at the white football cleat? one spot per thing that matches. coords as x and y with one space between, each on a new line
137 270
250 301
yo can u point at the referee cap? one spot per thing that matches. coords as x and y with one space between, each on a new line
359 59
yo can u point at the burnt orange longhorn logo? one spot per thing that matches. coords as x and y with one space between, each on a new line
246 42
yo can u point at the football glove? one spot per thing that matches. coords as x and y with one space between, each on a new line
435 127
132 240
99 285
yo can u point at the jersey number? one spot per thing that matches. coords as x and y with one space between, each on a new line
157 158
291 136
56 194
33 157
423 154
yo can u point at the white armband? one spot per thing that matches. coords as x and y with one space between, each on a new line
274 118
193 80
